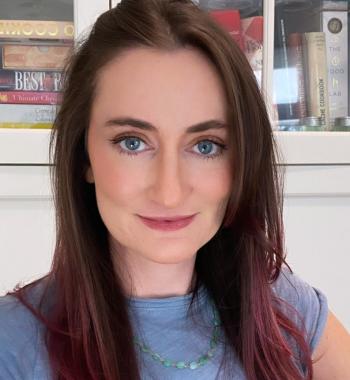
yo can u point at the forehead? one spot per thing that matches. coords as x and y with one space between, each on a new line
181 86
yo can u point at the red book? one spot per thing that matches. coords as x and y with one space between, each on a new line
230 20
30 97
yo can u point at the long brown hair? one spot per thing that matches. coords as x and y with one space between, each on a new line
89 334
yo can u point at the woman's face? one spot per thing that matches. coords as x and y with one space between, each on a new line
161 169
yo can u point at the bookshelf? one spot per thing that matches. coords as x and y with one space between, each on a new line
329 145
30 147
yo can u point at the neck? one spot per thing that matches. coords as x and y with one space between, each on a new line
143 278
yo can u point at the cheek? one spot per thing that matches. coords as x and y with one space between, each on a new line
113 178
216 187
115 182
214 184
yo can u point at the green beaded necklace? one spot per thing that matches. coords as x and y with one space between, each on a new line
182 364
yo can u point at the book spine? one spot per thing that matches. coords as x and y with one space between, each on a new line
34 57
24 97
335 26
35 29
9 125
334 5
27 113
252 37
282 74
47 81
295 58
317 73
230 20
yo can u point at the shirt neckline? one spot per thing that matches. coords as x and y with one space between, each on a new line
167 302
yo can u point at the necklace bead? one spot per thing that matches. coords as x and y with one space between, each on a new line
202 360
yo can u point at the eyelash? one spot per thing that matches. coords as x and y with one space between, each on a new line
117 140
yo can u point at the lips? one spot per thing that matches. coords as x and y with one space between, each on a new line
166 223
168 219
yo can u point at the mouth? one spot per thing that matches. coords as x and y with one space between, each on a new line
168 219
167 223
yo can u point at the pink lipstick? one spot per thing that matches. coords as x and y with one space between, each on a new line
167 224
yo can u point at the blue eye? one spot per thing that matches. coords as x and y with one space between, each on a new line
132 143
205 146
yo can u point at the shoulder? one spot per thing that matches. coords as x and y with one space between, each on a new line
331 357
328 339
19 337
309 305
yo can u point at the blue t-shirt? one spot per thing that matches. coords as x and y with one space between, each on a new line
163 324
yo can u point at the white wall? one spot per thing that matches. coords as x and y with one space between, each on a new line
27 240
318 246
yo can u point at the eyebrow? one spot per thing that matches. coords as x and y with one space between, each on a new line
145 125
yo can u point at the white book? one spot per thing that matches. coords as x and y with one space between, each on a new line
27 113
335 26
314 45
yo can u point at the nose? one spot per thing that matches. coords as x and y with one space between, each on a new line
170 183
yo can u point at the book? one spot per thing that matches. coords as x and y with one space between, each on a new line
34 57
314 46
230 20
252 38
16 80
284 78
9 125
30 97
36 29
296 63
334 5
335 26
27 113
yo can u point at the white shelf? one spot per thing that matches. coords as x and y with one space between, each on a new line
24 146
309 148
317 181
30 182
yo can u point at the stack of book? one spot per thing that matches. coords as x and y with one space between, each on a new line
311 63
32 58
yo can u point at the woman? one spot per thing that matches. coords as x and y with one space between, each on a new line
168 263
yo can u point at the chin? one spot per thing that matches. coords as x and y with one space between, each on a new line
169 258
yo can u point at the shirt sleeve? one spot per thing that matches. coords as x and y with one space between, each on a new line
18 340
309 302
